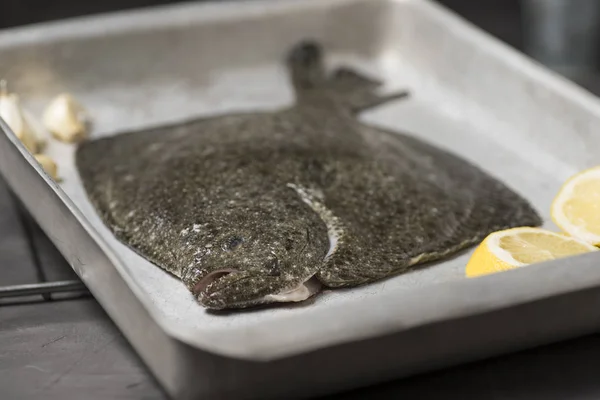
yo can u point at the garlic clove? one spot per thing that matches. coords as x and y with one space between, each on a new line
66 119
12 113
48 165
37 129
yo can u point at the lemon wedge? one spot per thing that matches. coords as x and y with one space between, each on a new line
518 247
576 207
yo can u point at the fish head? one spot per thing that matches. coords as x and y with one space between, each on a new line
258 258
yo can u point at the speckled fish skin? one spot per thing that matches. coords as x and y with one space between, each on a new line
250 208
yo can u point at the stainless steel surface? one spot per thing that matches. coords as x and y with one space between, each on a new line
41 288
70 350
503 113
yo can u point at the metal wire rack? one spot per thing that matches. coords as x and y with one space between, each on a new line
43 287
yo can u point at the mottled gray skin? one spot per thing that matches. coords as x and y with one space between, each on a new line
239 206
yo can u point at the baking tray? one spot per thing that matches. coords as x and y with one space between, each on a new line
470 94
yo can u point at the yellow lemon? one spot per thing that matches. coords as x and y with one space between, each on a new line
518 247
576 207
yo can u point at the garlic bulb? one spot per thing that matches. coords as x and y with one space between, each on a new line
12 114
48 164
65 119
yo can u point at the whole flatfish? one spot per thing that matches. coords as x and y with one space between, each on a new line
255 208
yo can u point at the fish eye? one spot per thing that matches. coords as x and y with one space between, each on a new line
272 267
233 243
289 244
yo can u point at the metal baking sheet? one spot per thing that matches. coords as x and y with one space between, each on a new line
470 94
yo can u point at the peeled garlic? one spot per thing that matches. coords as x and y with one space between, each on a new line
12 114
37 129
48 164
65 119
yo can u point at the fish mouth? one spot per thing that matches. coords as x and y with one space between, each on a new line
297 293
202 285
226 288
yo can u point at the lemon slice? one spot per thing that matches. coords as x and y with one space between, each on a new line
518 247
576 207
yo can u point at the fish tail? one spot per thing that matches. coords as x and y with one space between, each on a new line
306 67
359 92
347 87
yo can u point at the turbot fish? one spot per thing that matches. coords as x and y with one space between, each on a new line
265 207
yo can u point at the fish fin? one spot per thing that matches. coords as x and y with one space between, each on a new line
371 101
339 265
348 269
314 198
351 90
345 77
359 92
344 270
306 67
302 292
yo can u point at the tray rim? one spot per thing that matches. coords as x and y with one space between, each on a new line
374 323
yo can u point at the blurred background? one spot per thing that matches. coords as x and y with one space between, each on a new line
561 34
